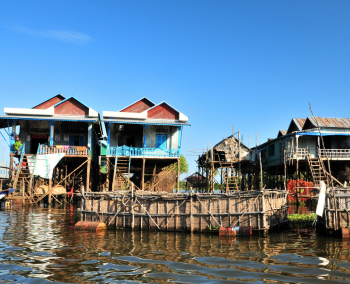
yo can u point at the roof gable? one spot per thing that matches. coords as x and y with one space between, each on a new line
139 106
281 133
50 102
71 107
163 111
296 125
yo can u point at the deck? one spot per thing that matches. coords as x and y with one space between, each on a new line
143 152
67 150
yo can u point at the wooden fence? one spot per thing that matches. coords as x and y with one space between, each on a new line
186 212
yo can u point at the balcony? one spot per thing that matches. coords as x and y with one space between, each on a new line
143 152
68 150
299 153
334 153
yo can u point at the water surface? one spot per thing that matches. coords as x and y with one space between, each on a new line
39 245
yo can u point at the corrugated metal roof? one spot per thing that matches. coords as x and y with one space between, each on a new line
148 121
331 122
299 122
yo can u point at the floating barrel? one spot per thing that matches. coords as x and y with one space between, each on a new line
90 226
245 231
345 232
230 231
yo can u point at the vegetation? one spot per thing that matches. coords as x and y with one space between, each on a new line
17 145
304 219
183 165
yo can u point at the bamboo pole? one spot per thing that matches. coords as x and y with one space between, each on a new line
239 160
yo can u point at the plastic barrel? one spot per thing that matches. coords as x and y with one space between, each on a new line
90 226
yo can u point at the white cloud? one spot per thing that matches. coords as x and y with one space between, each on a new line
61 35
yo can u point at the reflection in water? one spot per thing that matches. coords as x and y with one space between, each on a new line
41 243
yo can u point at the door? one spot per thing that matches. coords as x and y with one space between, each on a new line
161 141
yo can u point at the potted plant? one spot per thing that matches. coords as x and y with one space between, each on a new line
17 146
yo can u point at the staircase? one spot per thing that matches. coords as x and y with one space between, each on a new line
24 172
230 179
122 166
318 170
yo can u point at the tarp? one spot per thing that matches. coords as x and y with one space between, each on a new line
323 134
45 164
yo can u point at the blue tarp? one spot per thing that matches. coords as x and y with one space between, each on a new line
323 134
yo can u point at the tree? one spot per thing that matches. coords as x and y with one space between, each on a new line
183 165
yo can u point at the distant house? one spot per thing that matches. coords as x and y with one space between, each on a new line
303 138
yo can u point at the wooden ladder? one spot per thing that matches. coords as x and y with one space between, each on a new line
230 179
318 170
25 167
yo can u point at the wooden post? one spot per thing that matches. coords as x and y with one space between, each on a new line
132 207
285 171
11 170
23 189
50 191
239 160
107 174
143 173
178 175
261 173
297 184
191 210
88 175
65 186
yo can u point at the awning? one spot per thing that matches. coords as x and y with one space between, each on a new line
146 122
323 134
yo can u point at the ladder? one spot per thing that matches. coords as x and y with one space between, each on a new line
230 179
318 170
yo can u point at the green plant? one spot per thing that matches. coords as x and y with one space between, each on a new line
302 218
17 145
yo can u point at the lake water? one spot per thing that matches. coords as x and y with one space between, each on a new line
39 245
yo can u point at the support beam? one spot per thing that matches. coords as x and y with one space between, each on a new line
88 175
143 173
178 175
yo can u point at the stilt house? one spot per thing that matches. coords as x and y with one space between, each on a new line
57 125
301 149
143 139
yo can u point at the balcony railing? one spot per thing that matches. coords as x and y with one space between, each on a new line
68 150
334 153
146 152
299 153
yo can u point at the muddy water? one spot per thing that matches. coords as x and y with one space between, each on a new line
38 245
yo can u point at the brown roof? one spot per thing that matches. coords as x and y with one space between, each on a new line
299 122
331 122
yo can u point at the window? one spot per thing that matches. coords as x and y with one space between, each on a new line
161 141
272 150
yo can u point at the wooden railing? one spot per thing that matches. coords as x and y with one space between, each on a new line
299 153
68 150
146 152
334 153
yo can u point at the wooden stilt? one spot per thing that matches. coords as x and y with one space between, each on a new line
88 175
143 173
178 175
50 191
107 174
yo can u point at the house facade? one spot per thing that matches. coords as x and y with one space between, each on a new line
144 131
57 125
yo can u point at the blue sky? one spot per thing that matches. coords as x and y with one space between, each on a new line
254 64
